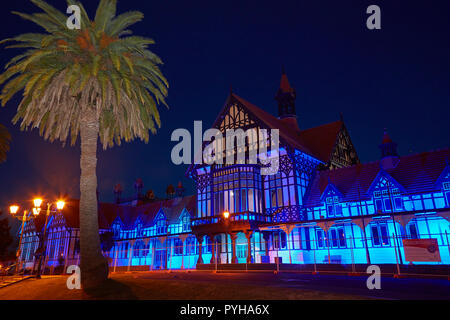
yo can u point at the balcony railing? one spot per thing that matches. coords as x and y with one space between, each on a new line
234 217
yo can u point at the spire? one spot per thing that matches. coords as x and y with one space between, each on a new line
117 192
389 155
138 185
286 99
180 190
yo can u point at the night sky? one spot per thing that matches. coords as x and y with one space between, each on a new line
395 78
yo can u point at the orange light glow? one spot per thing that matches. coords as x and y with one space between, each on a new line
60 205
13 209
37 202
226 214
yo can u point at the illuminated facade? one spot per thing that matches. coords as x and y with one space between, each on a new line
322 207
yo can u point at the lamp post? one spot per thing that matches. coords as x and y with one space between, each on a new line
226 215
14 210
37 203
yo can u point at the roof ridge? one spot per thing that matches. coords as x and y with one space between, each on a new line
321 125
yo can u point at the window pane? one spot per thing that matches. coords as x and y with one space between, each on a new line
387 204
333 237
384 234
413 231
319 235
398 203
342 238
375 236
379 205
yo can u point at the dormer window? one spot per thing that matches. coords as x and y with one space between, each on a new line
161 227
186 223
446 189
386 199
334 208
116 230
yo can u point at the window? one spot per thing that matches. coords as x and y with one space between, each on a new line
186 223
334 208
384 234
280 190
178 247
413 231
241 250
337 237
191 245
320 238
380 234
386 198
237 189
375 236
206 247
341 234
161 227
138 249
279 240
447 196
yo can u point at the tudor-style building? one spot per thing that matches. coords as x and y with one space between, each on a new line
323 206
252 199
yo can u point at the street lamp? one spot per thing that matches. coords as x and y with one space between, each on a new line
226 214
14 210
37 203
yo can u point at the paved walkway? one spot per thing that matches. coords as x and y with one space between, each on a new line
8 280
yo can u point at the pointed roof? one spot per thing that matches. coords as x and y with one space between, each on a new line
386 137
285 86
321 140
109 212
416 173
318 142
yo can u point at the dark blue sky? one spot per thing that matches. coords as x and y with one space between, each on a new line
396 77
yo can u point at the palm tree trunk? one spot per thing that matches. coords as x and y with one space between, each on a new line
94 269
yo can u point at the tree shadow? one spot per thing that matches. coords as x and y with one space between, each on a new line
110 290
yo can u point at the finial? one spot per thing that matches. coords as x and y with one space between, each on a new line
231 89
282 69
341 116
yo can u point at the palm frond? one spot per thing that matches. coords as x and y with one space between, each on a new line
100 67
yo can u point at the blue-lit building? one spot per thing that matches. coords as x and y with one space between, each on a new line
322 207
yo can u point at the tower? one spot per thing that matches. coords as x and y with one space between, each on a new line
286 100
389 155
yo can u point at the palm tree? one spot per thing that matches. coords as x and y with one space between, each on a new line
96 82
5 139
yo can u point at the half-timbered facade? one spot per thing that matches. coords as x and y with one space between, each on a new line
321 205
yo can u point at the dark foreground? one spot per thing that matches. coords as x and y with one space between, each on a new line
230 286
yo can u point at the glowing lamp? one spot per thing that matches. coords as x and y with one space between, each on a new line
13 209
226 214
37 202
36 211
60 205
